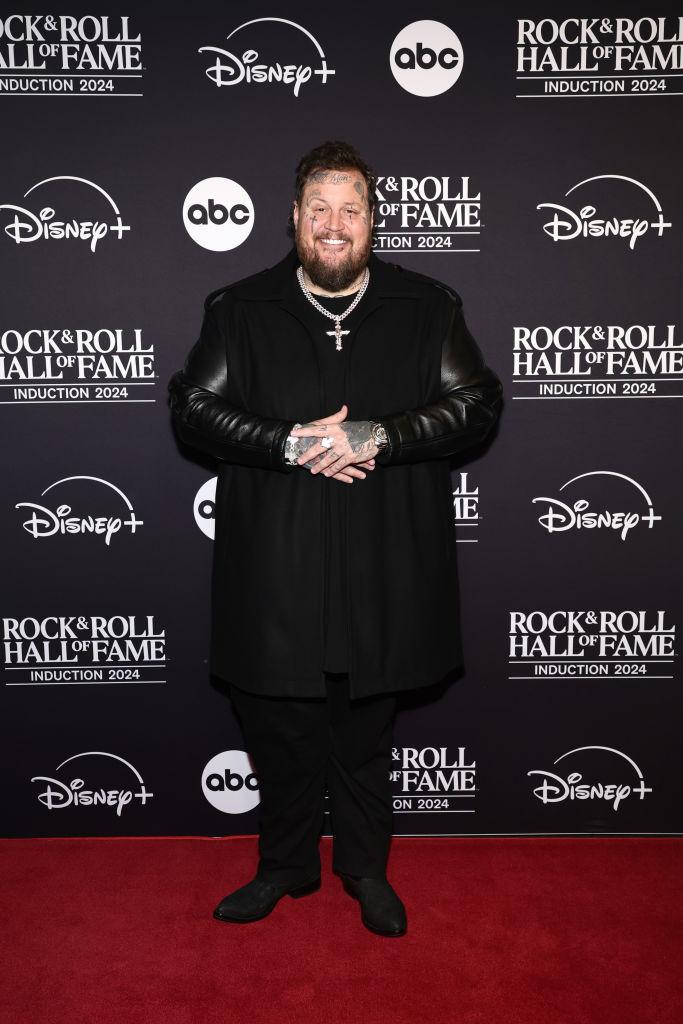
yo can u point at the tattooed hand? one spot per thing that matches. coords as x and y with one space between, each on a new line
353 446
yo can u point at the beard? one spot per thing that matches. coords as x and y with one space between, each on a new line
338 275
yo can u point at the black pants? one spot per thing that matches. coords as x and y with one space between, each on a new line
299 746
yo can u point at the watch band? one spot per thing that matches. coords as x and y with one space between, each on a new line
379 435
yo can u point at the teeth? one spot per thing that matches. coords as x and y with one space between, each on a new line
333 241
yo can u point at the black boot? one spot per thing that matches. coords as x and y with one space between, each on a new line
257 898
381 909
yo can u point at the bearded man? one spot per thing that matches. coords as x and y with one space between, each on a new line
331 388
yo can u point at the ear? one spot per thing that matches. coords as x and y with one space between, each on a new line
295 212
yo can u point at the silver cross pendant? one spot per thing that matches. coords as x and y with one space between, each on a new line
338 334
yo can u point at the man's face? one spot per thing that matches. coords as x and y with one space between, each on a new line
334 228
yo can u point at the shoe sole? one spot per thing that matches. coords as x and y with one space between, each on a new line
366 923
379 931
301 890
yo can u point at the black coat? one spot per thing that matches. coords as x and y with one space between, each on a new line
252 374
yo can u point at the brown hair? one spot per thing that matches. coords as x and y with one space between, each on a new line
331 155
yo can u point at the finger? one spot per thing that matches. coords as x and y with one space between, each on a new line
314 449
310 429
322 463
331 461
327 455
333 467
335 417
350 467
315 452
359 465
351 470
310 462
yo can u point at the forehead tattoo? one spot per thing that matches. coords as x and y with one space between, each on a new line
331 177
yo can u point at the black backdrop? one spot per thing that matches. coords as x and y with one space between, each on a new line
545 118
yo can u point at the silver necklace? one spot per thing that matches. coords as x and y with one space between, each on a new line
337 317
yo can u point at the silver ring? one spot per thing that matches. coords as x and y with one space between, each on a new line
327 442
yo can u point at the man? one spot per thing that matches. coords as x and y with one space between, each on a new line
331 388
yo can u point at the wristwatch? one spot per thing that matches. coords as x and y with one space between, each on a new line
379 435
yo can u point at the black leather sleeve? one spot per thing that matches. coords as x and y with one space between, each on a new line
469 405
205 419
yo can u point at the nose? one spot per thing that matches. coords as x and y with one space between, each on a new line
335 222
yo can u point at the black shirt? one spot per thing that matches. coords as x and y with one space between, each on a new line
333 369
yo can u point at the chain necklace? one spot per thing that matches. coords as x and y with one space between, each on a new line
337 332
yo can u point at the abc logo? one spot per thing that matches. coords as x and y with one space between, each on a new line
205 508
426 58
229 782
218 214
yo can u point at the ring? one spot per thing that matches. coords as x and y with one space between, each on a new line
327 442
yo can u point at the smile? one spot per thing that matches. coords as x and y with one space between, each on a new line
333 241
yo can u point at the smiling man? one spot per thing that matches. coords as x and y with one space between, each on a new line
332 388
334 254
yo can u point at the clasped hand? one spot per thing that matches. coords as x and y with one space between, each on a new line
353 446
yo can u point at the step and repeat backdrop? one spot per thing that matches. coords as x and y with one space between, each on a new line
527 154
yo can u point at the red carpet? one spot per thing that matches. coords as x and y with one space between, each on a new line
500 931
